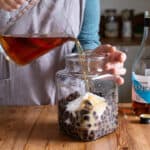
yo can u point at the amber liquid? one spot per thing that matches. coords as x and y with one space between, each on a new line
140 108
23 50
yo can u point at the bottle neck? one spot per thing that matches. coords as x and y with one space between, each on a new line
146 35
143 52
147 19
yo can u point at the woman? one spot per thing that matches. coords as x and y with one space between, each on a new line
34 84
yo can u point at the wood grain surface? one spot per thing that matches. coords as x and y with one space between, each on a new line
36 128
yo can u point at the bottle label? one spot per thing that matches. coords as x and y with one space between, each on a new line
140 88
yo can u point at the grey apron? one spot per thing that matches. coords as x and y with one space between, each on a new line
34 84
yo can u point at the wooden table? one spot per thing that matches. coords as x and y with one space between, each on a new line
36 128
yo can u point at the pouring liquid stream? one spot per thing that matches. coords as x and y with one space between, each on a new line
83 64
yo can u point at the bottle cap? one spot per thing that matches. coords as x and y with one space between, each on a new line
145 118
146 14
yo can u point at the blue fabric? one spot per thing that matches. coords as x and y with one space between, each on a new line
89 35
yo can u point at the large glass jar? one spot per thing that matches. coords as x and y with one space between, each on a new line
86 115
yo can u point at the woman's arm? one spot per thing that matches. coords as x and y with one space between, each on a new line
89 38
89 35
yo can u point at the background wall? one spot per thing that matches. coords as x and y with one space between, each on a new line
138 5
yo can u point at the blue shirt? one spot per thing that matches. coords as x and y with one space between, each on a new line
89 35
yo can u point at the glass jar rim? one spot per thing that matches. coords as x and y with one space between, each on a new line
89 55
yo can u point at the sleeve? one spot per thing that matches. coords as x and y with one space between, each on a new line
89 35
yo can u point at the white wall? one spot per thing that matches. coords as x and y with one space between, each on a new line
138 5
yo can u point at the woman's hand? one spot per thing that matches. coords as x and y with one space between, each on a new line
10 5
114 61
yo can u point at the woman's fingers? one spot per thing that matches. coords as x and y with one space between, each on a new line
116 56
104 49
114 61
4 5
119 80
115 68
110 65
20 1
10 5
116 71
111 53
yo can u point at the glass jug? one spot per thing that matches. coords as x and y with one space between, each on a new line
86 115
22 47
